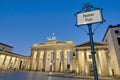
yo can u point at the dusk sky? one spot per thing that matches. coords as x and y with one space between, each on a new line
26 22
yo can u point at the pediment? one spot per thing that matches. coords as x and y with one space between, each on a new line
88 44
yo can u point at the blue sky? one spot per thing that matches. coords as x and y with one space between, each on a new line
25 22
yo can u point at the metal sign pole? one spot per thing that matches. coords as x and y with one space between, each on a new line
91 15
93 51
88 8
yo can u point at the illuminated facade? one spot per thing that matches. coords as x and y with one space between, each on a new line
56 56
10 61
112 38
84 59
51 56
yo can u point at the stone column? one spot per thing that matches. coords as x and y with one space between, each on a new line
65 61
86 62
98 63
103 62
61 66
77 66
9 62
74 65
27 64
44 59
54 60
18 64
14 62
33 60
40 60
24 63
6 62
57 61
37 60
3 64
1 60
71 61
109 65
81 60
78 62
47 61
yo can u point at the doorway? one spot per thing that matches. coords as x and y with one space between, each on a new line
68 61
20 65
91 69
51 61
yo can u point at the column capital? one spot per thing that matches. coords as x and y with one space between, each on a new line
65 51
40 50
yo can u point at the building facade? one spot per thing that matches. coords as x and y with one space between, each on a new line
84 59
112 38
56 56
10 60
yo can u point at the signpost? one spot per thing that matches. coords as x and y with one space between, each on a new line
90 17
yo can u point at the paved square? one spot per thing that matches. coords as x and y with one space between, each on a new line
30 75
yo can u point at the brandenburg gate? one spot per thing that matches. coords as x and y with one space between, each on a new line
51 55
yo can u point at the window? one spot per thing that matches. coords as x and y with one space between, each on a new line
106 40
118 40
74 54
91 67
116 32
3 48
90 56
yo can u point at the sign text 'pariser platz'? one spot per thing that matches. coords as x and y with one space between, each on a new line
89 17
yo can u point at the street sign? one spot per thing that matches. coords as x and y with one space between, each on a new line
89 17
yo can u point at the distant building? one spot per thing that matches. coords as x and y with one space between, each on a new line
5 47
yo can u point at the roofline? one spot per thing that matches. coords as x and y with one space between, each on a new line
6 45
19 54
110 26
50 41
16 54
89 42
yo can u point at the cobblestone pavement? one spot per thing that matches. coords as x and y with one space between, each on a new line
31 75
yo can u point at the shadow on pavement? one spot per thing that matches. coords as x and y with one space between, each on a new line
81 77
69 76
